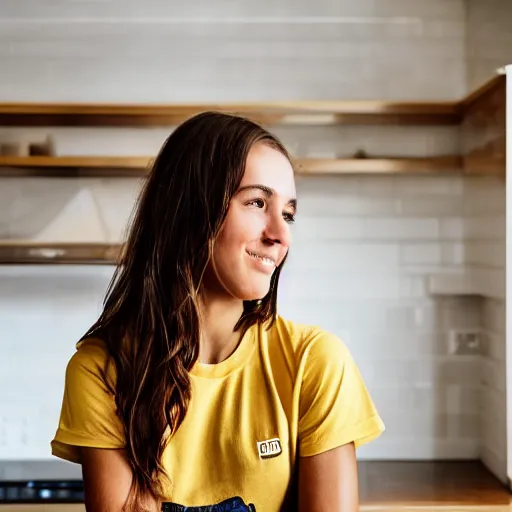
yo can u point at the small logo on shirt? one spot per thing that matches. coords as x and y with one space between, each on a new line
270 448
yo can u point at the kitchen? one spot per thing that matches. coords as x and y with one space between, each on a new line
395 112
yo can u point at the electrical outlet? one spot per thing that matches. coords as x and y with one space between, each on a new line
465 342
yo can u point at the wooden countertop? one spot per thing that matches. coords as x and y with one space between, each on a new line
391 485
42 508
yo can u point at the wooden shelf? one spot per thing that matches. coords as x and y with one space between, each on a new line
22 252
130 162
70 166
379 165
138 166
268 113
495 82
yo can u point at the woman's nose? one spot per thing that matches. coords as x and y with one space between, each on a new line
277 230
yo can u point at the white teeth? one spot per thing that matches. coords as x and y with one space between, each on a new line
265 261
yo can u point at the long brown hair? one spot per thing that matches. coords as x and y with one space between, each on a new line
150 320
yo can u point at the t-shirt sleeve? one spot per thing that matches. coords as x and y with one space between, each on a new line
335 406
88 415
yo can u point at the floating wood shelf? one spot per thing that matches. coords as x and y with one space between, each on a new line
276 113
379 165
130 162
138 166
70 166
268 113
22 252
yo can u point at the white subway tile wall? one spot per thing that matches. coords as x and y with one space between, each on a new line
365 247
488 39
162 51
43 313
485 258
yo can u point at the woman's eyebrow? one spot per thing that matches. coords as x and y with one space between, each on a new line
269 192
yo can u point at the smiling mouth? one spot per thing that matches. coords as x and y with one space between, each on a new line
269 262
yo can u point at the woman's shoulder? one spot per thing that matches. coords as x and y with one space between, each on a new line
307 339
89 361
89 351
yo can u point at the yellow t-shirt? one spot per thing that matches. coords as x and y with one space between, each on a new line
290 391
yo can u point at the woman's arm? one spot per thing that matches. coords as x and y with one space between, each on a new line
107 479
328 481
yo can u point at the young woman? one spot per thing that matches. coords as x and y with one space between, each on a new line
190 392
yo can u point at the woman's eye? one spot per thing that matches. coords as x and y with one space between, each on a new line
259 203
289 217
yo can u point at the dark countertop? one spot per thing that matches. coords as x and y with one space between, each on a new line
40 481
51 469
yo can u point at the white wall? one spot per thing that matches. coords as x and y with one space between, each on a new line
43 312
484 227
488 38
365 247
160 51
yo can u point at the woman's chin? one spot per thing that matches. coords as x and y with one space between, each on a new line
252 289
254 294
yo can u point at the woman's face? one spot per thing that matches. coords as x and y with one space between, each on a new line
255 236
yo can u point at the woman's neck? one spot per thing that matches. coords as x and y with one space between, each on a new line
219 315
